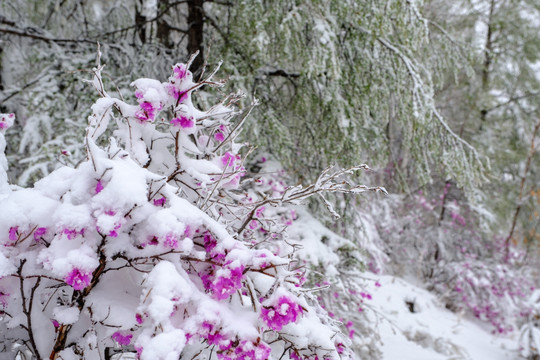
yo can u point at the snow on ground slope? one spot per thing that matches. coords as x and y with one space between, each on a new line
412 323
416 326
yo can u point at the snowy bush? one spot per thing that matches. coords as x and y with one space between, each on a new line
530 331
156 245
441 241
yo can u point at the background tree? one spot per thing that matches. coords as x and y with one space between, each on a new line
497 106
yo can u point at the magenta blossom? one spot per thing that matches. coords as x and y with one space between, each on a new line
99 187
227 159
180 71
6 120
225 286
259 212
122 338
183 122
39 232
180 96
72 233
159 202
78 279
219 136
280 314
114 232
248 350
187 231
4 298
209 242
171 241
13 233
147 112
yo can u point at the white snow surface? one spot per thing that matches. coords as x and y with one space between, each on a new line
431 332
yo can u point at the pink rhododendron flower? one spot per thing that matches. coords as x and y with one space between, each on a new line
122 338
259 212
219 340
72 233
183 122
301 279
171 241
99 187
147 112
233 183
248 350
4 299
159 202
349 327
6 120
214 337
280 314
209 242
219 136
13 233
114 233
187 231
225 286
177 94
39 232
227 159
78 279
180 71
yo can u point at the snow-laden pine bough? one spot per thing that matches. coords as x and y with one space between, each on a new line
156 245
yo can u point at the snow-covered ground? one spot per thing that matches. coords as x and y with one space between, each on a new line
411 322
431 332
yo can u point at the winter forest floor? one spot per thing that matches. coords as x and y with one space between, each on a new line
432 332
413 324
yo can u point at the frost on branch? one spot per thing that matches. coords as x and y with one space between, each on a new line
154 245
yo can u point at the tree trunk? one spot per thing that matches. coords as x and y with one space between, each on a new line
140 22
195 35
163 27
487 56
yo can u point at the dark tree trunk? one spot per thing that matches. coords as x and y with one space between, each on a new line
163 27
2 107
487 57
195 34
140 23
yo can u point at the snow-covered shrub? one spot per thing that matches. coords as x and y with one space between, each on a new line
440 241
329 264
155 245
529 338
